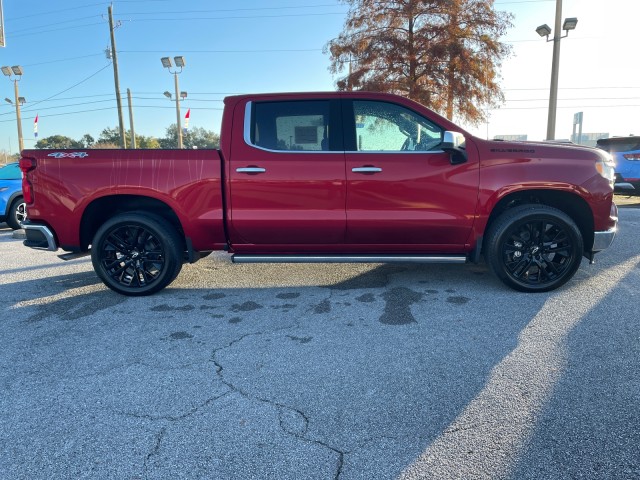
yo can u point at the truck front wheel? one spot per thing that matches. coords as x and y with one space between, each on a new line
137 253
534 248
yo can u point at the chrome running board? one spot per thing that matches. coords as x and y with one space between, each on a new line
252 258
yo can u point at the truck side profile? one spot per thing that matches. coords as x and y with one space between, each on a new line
325 177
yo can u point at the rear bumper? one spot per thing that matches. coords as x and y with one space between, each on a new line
627 185
39 237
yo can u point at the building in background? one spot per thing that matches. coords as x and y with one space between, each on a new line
511 138
588 139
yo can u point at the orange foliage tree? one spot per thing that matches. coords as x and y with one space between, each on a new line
445 54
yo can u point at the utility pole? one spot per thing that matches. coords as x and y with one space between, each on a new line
123 139
133 130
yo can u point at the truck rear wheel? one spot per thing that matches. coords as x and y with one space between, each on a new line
137 253
534 248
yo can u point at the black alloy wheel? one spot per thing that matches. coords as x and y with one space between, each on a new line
534 248
137 253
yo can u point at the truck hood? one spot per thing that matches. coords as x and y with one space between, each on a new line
544 149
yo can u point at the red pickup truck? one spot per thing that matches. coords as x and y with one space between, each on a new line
325 177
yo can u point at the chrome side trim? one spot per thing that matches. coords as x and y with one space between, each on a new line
394 152
602 240
51 241
247 123
252 258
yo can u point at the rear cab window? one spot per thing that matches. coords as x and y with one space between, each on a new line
294 126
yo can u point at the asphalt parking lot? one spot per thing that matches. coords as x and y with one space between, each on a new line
320 372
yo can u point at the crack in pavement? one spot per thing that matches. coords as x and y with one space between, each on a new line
281 408
154 451
172 418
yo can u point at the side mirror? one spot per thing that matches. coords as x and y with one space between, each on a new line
454 143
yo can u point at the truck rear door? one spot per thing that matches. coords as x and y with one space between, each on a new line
286 175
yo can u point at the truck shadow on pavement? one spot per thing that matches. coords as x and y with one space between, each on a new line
317 371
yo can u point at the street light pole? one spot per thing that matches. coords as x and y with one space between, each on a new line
18 117
544 30
180 63
179 126
15 74
555 66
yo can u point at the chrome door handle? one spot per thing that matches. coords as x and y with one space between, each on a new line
366 170
251 170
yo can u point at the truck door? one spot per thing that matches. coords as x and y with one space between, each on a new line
287 176
401 188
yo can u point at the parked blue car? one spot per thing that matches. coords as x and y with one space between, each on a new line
13 210
626 153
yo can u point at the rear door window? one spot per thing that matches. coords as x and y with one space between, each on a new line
301 126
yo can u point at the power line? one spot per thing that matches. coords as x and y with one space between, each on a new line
179 12
523 1
237 17
109 108
37 27
64 59
560 107
67 89
54 30
40 14
283 50
570 99
567 88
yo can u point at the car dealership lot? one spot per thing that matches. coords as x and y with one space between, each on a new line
320 372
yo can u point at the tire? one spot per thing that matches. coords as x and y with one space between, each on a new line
17 213
534 248
137 253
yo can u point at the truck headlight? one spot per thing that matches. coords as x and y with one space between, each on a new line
606 167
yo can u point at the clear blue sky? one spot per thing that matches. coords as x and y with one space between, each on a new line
256 46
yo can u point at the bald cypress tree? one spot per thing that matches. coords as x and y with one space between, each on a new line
445 54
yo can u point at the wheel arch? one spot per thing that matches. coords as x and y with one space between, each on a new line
570 203
103 208
12 198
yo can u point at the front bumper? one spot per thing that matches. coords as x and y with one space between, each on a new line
39 237
602 240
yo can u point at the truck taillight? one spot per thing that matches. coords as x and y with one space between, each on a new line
26 165
632 156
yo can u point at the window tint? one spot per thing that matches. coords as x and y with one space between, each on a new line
10 172
296 126
619 144
386 127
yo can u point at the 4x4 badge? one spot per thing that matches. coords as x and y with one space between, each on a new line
68 154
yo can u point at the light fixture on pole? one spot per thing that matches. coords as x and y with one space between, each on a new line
180 63
545 31
15 74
